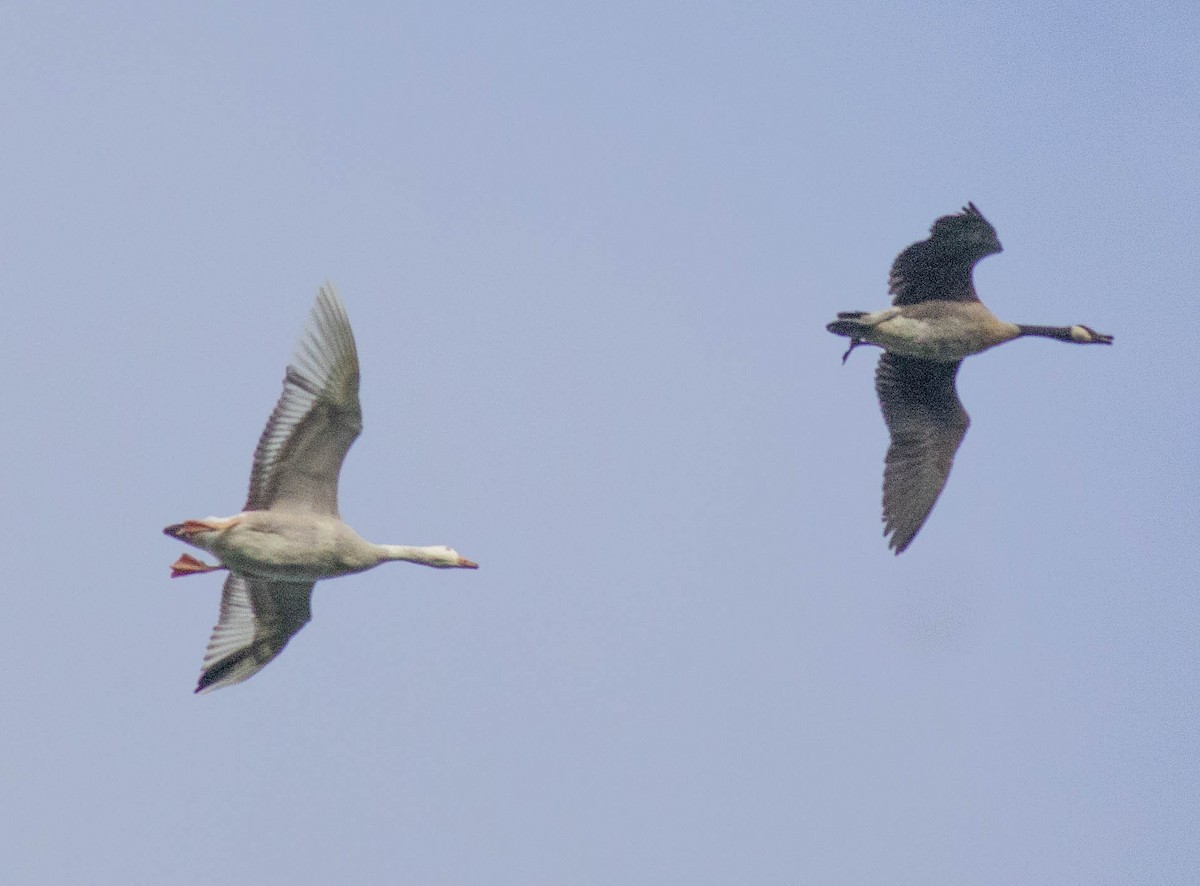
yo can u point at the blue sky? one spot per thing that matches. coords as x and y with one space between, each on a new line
588 251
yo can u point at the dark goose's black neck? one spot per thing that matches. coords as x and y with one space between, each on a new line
1062 333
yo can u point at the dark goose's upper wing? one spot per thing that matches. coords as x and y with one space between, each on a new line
939 267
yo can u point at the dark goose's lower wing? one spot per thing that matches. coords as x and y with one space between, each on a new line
927 423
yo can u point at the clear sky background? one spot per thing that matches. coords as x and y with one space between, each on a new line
589 251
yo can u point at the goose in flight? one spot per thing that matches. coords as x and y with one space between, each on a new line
936 320
289 534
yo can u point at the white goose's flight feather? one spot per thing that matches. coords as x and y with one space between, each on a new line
258 617
317 418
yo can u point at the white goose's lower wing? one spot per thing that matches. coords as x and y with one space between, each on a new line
258 617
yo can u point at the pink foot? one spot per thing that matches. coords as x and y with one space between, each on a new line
189 565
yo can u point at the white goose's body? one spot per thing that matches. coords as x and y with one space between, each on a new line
289 535
293 547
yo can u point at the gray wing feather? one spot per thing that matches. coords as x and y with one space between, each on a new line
939 268
258 617
927 423
301 450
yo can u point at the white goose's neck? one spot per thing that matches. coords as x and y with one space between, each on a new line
431 555
409 553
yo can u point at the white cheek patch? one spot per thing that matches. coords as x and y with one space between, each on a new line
1079 334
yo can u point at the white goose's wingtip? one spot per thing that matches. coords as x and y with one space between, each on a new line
204 685
464 563
229 671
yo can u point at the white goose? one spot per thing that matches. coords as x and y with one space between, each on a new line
289 535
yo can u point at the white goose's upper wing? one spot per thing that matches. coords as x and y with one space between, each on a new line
258 617
300 453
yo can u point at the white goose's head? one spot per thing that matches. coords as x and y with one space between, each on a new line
442 557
